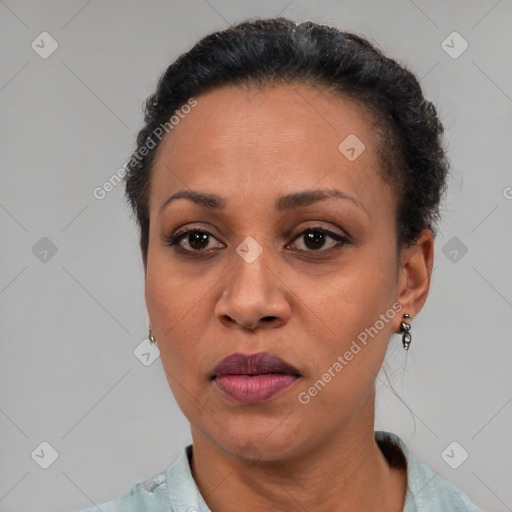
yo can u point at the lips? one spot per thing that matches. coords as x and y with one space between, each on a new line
253 379
253 364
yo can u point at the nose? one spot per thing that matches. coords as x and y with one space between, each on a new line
254 296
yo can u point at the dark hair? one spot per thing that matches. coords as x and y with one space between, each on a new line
266 51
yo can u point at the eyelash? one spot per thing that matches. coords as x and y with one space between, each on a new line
173 240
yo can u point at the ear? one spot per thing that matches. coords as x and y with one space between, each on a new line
414 275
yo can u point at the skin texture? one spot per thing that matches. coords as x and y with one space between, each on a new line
301 302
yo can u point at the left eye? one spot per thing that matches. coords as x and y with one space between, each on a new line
314 239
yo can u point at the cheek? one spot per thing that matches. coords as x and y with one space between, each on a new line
346 363
181 357
353 298
170 311
170 299
353 315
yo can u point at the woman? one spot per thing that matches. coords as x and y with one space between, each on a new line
287 187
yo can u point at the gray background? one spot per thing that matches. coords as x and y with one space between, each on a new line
71 320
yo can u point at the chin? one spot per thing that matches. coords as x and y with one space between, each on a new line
259 444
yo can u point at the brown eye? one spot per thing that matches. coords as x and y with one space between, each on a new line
314 239
197 240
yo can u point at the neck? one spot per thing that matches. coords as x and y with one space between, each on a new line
345 473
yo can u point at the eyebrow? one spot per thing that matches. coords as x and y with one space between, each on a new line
293 201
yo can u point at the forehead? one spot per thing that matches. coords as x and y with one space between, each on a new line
280 138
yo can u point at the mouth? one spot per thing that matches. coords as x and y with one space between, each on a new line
261 363
255 378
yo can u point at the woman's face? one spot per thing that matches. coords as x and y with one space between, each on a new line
263 279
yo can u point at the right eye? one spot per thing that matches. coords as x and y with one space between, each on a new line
196 238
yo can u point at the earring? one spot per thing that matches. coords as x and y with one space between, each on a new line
404 331
151 338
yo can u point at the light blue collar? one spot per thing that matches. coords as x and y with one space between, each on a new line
426 491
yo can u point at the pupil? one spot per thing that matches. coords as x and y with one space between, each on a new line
317 238
197 238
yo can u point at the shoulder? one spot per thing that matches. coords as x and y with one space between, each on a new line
145 495
427 491
172 489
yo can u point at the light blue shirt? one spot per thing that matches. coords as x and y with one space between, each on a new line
175 490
